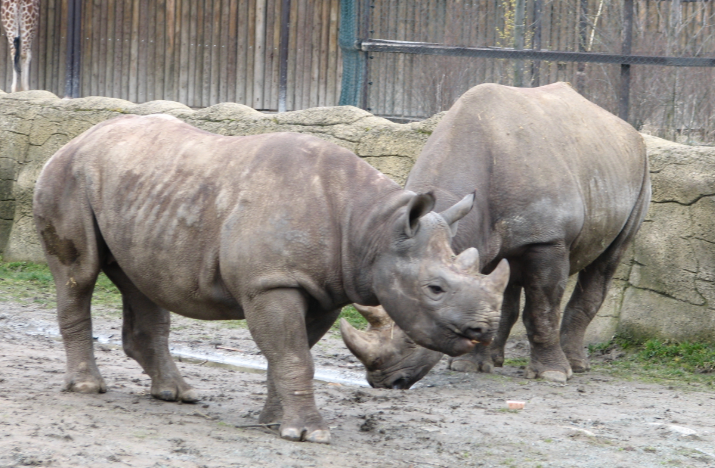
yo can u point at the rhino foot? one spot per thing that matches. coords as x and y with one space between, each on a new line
468 365
320 436
84 384
181 392
580 366
551 375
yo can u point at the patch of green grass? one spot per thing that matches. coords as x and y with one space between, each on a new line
658 360
516 362
353 317
29 282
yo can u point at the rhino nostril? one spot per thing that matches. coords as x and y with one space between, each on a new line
475 333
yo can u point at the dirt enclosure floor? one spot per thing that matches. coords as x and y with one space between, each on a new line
448 420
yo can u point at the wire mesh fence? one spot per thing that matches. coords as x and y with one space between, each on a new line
671 50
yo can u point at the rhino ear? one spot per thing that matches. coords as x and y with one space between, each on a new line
361 344
420 205
458 211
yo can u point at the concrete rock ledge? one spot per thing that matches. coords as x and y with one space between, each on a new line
664 287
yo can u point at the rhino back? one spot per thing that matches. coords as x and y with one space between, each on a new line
547 164
186 212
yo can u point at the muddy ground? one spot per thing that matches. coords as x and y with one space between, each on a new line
448 420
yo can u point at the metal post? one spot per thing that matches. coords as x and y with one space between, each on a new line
519 14
74 30
624 98
366 32
283 55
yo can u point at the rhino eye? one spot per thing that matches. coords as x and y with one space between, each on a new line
434 289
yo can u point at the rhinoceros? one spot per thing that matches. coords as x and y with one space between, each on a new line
562 187
281 230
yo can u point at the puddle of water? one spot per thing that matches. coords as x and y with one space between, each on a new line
239 363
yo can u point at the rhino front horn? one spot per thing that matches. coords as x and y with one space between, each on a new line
468 261
359 343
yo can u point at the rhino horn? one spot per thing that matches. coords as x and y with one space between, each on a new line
419 205
468 261
458 211
499 278
375 316
363 345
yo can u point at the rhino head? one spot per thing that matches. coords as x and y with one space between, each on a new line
391 358
439 299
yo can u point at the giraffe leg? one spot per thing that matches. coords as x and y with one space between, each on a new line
25 58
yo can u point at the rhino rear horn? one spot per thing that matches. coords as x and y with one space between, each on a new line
458 211
419 205
363 345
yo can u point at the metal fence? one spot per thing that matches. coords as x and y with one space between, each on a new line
420 56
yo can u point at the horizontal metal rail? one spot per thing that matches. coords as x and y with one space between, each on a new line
427 48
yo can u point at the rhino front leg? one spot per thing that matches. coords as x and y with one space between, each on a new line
145 338
316 328
545 272
277 322
485 358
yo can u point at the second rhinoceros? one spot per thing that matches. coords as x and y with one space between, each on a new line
280 229
562 186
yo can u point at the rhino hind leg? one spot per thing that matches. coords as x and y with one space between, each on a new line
545 270
591 289
282 312
145 338
486 358
70 241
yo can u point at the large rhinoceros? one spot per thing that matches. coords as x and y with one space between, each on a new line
562 187
280 229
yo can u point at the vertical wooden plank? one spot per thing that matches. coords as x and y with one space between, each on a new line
259 56
159 49
86 66
189 65
134 51
223 52
242 50
293 52
61 56
214 48
273 34
96 39
103 45
183 52
200 52
303 63
150 73
111 39
169 45
206 68
231 50
315 58
114 81
141 58
333 95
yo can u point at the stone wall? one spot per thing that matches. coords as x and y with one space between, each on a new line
664 287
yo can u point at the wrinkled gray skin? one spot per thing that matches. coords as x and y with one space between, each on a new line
562 187
281 230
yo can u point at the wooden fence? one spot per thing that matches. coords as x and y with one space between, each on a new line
198 52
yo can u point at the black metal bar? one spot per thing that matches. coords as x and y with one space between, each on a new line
426 48
625 92
283 56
